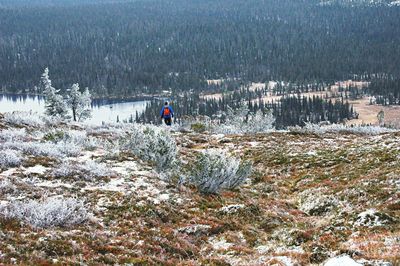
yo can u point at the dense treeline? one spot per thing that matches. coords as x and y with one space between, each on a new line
126 48
289 111
386 90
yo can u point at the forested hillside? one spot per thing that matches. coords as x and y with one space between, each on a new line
125 47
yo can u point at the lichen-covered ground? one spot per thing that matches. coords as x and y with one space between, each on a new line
309 198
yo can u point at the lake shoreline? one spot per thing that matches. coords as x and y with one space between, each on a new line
102 110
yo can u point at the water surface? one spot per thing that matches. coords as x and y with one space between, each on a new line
102 110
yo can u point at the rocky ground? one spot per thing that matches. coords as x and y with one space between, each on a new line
310 198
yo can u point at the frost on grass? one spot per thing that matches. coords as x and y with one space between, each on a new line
153 144
89 171
51 212
10 158
6 186
27 119
53 150
75 138
214 171
12 134
310 128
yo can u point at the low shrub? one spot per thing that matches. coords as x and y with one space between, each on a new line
242 121
89 171
49 149
13 134
27 119
214 171
50 212
10 158
153 144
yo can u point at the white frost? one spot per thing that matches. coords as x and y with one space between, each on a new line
342 261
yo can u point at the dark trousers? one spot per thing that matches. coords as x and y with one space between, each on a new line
168 121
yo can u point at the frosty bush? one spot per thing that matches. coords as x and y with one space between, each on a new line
51 212
6 186
241 121
53 150
89 171
260 122
10 158
214 170
113 129
12 134
25 119
154 144
310 128
75 138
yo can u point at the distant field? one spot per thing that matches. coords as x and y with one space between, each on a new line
367 112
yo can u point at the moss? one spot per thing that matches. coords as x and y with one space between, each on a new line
39 160
9 224
198 127
55 248
135 261
215 262
54 136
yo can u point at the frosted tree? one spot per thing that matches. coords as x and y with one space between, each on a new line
241 121
259 122
79 103
54 103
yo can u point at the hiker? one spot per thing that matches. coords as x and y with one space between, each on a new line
167 114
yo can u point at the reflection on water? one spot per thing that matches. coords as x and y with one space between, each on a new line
102 110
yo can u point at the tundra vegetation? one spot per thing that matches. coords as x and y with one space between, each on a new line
98 194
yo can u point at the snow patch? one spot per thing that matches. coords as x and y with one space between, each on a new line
35 170
342 261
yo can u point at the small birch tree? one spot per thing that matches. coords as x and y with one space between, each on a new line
79 103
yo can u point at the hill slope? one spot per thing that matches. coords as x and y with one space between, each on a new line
310 197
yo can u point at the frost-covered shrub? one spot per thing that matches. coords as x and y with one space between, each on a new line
260 122
310 128
241 121
51 212
154 144
77 138
114 129
68 149
12 134
92 170
89 171
27 119
10 158
6 186
214 171
48 149
112 149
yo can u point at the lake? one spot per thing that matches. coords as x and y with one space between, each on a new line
102 110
